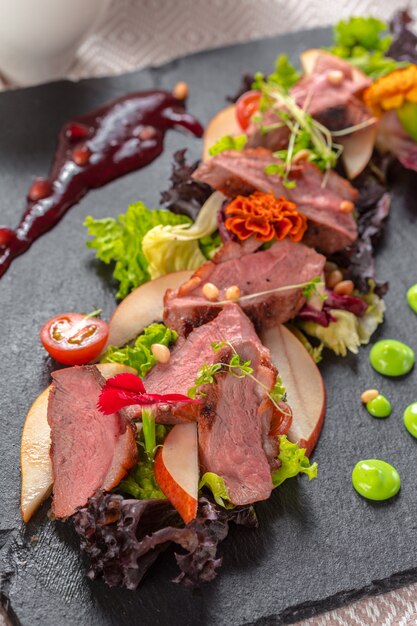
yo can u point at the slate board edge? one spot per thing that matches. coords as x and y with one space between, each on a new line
311 609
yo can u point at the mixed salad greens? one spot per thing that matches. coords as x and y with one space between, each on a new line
123 537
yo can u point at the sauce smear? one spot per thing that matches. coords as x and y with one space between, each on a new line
120 137
375 479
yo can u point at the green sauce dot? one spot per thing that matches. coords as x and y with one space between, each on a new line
376 480
391 357
412 298
410 419
379 406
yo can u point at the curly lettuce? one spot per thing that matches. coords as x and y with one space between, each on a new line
348 331
293 462
139 355
364 42
120 241
174 247
216 485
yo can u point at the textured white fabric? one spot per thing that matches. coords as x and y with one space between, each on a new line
137 33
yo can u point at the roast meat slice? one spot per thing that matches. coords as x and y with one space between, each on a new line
187 356
285 263
329 228
234 425
333 105
235 415
89 450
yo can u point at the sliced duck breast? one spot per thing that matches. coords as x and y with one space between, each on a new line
89 450
323 198
264 272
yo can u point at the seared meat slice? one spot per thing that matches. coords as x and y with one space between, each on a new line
89 450
235 416
285 263
333 105
329 228
187 356
234 425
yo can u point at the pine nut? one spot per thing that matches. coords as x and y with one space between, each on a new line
232 293
344 288
335 77
346 206
180 90
334 278
161 352
368 395
301 155
210 292
330 266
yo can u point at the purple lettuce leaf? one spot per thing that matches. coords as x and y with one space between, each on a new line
123 538
310 314
352 304
404 42
373 207
246 83
186 196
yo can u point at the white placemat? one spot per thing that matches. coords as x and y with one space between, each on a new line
137 33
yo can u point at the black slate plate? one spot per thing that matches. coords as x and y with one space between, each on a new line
319 544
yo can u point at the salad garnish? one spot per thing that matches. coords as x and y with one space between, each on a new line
139 354
272 234
264 216
125 390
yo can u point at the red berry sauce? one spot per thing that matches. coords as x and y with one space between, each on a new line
122 136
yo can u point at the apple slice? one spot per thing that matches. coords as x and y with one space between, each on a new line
176 469
35 462
142 307
224 123
358 148
304 384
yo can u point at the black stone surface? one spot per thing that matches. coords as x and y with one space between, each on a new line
319 544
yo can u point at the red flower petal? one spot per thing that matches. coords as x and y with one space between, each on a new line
128 382
128 389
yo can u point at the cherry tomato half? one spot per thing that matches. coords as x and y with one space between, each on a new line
73 338
246 106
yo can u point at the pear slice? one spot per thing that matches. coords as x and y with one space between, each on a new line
35 462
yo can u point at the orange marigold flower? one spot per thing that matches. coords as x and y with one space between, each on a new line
392 91
266 217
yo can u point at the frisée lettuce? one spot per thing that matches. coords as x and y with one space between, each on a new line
293 462
120 241
348 331
139 355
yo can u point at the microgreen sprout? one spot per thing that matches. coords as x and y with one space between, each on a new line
237 367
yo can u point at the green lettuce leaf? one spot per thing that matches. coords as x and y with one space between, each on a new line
210 244
140 482
171 248
293 461
217 486
228 143
285 75
120 240
349 332
363 41
278 392
140 355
